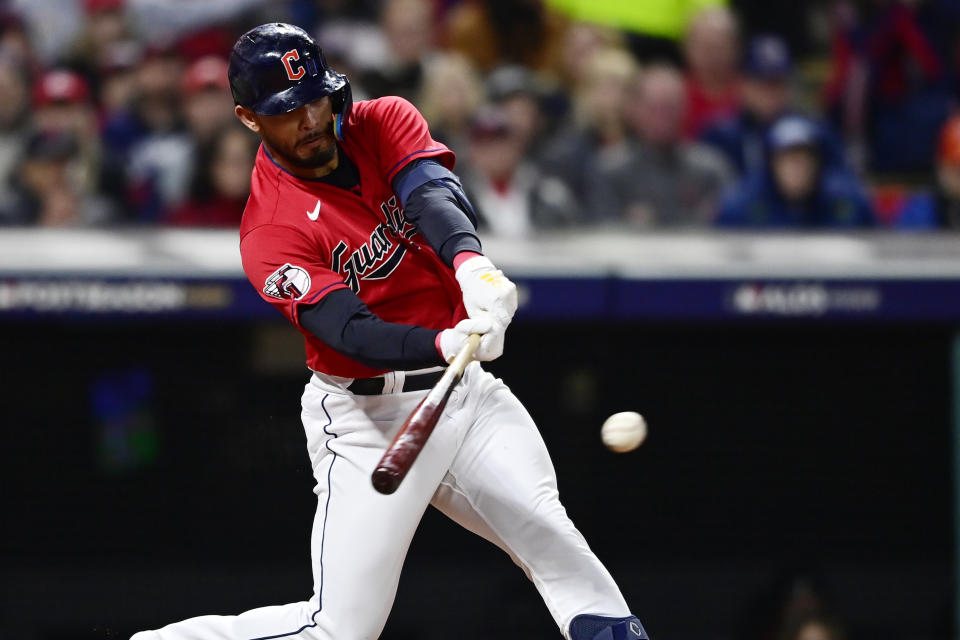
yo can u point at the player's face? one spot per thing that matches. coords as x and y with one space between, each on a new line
302 139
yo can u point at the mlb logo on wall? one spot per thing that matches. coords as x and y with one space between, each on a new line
289 282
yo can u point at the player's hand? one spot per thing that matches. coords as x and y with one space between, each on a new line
491 341
486 290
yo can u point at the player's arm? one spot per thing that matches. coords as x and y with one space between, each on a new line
434 201
281 263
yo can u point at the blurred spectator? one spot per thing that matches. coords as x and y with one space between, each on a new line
160 22
147 143
221 182
510 196
514 92
796 189
494 32
942 207
14 119
452 92
713 83
597 127
408 29
659 179
62 103
766 96
45 189
581 41
118 78
811 626
15 41
52 26
105 26
207 103
890 86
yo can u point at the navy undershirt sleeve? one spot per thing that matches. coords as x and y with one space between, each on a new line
440 216
345 324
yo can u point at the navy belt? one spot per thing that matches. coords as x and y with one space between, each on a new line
374 386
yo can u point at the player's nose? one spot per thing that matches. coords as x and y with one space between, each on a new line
313 115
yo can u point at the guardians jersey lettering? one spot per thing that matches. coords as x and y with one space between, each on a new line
296 251
365 263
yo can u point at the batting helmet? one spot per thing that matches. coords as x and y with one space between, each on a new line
276 68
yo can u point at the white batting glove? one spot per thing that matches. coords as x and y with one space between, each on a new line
491 342
487 290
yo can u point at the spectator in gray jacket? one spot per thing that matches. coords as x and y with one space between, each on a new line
659 179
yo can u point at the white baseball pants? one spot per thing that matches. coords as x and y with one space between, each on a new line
485 466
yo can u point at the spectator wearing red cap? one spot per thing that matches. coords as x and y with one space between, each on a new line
208 105
941 207
62 103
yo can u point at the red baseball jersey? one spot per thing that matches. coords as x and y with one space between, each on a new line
300 239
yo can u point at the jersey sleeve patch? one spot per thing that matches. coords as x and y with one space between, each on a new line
289 282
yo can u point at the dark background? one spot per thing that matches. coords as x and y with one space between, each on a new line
153 472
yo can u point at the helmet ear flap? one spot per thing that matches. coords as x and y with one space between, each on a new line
336 101
341 101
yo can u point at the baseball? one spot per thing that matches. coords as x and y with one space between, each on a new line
624 431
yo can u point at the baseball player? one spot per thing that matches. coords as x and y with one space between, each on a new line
359 232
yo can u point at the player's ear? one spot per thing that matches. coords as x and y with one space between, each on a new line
248 118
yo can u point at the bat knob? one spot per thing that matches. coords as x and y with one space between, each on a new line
385 480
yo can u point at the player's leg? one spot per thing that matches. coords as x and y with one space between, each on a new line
502 486
360 537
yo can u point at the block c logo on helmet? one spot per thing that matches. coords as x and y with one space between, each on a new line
288 59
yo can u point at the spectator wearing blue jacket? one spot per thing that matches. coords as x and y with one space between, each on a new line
766 96
795 189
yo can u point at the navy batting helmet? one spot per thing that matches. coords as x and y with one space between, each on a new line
276 68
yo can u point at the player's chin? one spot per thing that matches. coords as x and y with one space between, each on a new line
317 157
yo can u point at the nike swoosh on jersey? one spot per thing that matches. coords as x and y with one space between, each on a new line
313 215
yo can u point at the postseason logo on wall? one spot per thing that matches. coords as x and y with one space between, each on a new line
804 299
110 296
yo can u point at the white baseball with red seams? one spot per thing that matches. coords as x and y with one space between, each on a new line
624 431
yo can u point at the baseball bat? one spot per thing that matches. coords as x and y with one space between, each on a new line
409 441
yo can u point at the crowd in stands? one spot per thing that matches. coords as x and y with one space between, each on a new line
563 113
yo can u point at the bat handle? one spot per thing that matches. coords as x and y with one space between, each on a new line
465 355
